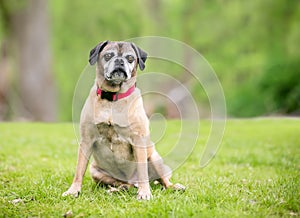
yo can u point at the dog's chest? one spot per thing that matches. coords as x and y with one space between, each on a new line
116 141
112 113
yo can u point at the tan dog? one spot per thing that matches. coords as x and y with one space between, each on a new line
114 127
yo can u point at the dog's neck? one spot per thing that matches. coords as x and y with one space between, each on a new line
112 92
114 96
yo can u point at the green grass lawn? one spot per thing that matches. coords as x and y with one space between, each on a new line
256 173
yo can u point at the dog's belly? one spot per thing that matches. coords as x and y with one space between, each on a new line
113 152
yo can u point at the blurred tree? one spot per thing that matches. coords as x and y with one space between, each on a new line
26 29
275 84
280 81
4 81
281 85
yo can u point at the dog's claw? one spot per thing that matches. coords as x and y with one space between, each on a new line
144 197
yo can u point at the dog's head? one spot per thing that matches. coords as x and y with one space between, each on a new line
117 61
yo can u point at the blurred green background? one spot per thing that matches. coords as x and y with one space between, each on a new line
253 47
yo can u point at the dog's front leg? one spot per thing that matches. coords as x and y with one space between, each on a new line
144 192
84 153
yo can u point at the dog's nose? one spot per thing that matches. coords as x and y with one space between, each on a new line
119 62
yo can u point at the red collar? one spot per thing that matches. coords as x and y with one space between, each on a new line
114 96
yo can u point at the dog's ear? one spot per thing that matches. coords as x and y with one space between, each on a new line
141 56
94 53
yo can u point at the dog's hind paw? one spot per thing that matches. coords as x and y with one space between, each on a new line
178 187
112 190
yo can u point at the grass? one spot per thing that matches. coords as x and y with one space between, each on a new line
256 173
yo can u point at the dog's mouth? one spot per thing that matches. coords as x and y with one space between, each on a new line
117 76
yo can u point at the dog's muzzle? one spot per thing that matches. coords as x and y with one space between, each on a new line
118 74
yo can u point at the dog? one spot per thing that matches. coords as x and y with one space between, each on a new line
114 127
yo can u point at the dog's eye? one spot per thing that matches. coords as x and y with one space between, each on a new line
108 56
130 58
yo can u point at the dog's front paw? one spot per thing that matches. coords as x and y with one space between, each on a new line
144 194
74 190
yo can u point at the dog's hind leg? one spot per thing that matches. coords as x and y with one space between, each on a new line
164 172
100 176
161 171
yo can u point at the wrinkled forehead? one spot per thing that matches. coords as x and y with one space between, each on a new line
119 48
